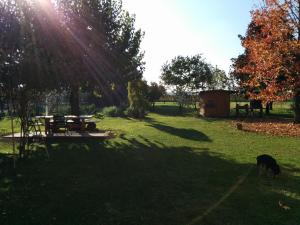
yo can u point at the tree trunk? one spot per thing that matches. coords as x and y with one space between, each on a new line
74 100
297 107
1 106
268 108
297 92
180 107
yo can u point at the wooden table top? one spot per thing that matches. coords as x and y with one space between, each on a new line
66 116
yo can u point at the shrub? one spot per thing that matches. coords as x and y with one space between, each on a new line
88 109
113 111
137 97
99 116
131 112
135 113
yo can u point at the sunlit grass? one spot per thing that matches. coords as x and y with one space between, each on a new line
167 169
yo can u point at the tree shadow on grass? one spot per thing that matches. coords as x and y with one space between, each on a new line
172 110
138 181
189 134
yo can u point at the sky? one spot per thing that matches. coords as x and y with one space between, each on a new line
189 27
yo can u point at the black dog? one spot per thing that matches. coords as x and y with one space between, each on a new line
268 163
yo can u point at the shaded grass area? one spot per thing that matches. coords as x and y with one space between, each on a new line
162 170
172 109
190 134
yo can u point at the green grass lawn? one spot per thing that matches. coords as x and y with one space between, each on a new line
169 169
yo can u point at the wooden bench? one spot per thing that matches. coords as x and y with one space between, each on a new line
242 107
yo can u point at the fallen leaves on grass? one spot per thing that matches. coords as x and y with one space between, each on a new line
274 127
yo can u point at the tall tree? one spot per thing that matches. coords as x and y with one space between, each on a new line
47 45
76 43
155 92
220 80
137 96
106 45
189 73
21 54
272 54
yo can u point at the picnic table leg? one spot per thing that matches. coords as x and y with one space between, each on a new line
83 125
38 129
47 126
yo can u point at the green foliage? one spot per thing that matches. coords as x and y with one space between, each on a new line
181 97
113 111
88 109
111 46
77 43
155 92
191 74
188 73
130 112
137 96
99 116
220 80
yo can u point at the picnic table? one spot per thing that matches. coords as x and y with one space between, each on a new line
47 122
80 123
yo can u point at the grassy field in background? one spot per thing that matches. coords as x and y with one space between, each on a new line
171 168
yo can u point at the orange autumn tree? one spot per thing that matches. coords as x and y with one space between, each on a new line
273 54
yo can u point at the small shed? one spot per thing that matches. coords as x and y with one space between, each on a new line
215 103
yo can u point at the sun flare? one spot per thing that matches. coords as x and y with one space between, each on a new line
43 3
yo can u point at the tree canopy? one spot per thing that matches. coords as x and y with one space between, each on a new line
188 73
155 92
191 74
220 80
66 45
69 44
270 64
137 96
